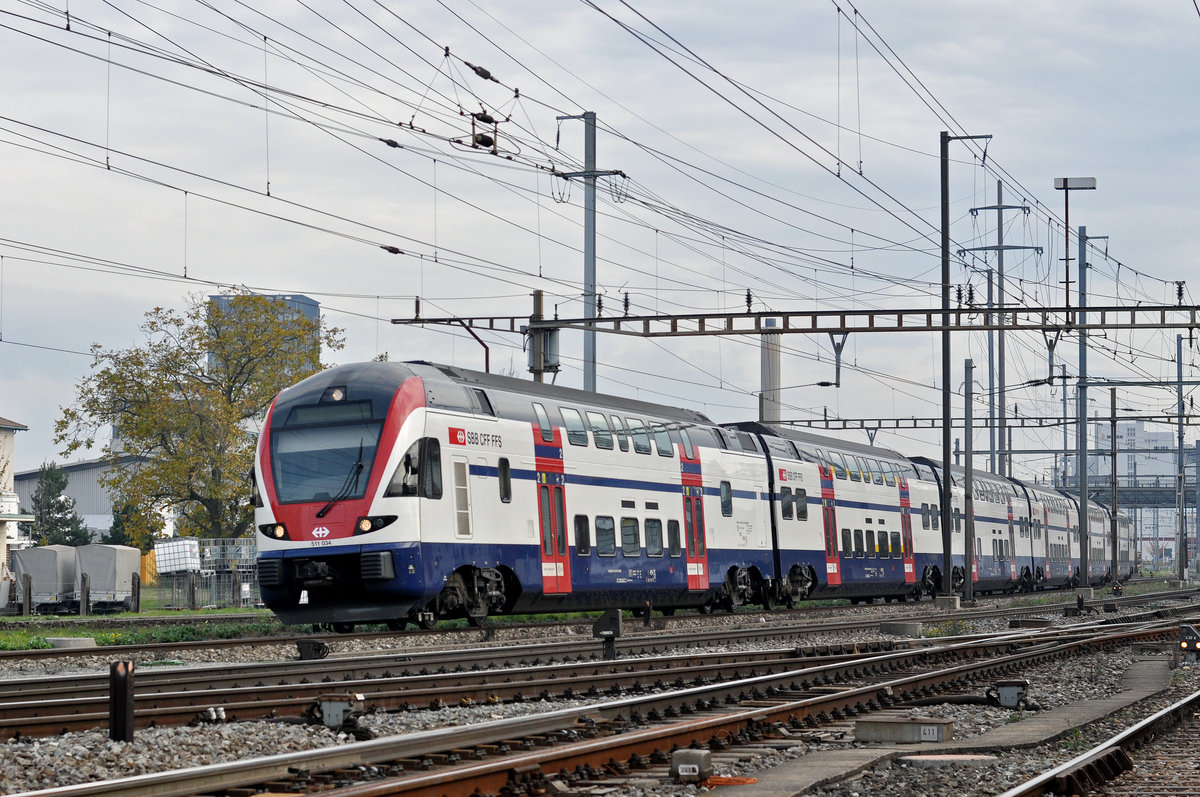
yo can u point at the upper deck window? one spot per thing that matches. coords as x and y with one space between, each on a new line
544 423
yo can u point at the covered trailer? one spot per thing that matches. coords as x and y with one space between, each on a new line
52 568
110 570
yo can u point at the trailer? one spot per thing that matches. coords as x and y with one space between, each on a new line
110 570
53 585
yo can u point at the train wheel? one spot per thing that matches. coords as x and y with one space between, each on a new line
343 628
668 612
398 624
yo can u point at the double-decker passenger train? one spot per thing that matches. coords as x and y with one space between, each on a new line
398 492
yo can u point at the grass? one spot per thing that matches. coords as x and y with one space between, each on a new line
947 628
204 627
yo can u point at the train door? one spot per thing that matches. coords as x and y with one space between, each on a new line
695 546
552 510
552 513
1012 542
696 550
1046 536
833 573
906 535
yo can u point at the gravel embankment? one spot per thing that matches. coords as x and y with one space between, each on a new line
83 757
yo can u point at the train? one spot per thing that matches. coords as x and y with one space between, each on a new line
413 492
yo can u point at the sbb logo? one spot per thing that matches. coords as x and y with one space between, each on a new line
320 532
458 437
783 474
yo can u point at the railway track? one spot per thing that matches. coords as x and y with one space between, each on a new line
611 737
1157 756
786 623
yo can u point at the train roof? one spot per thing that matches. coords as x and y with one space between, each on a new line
809 439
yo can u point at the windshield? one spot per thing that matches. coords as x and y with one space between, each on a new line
311 464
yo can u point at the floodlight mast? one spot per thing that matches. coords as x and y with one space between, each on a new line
1067 185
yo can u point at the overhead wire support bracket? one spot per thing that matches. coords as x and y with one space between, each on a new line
1021 319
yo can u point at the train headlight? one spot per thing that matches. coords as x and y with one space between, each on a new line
1183 644
276 531
366 525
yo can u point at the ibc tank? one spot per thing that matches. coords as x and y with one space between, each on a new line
110 570
53 570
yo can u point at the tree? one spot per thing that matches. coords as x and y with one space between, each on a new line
188 404
55 521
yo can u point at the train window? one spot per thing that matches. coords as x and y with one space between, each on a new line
688 451
583 535
673 545
855 467
654 540
631 543
641 439
924 516
847 548
747 441
883 545
431 468
606 537
838 462
543 423
897 547
859 551
576 433
978 549
785 502
618 426
560 520
699 527
484 404
404 478
889 474
935 516
871 551
726 499
876 470
504 476
601 434
688 524
801 504
662 441
547 528
957 519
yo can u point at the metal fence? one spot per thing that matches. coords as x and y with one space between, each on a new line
205 589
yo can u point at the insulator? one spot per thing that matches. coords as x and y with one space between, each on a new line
483 140
390 142
970 295
479 70
392 249
484 117
599 305
749 300
958 293
626 303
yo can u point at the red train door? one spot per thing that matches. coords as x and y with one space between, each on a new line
552 513
910 556
833 573
696 547
1012 543
556 567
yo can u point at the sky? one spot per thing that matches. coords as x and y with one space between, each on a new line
152 153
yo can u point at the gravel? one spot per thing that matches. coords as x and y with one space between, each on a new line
30 764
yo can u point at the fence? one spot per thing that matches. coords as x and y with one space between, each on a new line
205 589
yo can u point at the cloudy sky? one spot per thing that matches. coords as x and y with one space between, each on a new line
153 151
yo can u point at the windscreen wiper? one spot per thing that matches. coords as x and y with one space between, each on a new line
348 486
